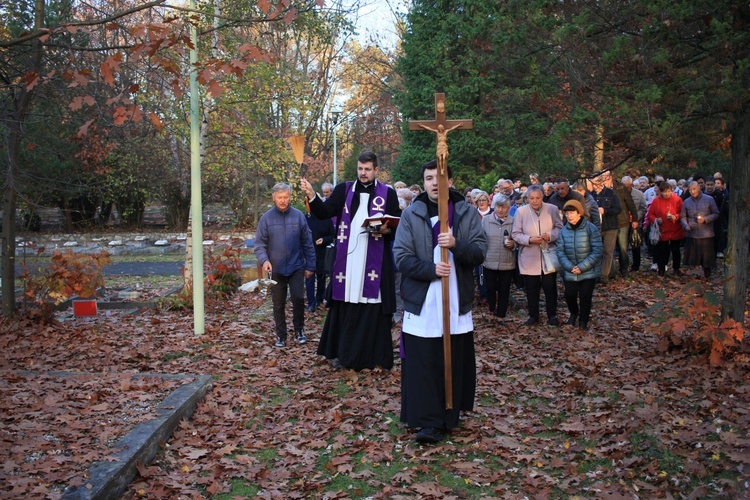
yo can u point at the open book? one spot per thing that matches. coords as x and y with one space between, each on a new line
380 219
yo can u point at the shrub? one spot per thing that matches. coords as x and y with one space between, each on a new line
692 318
222 277
68 275
223 272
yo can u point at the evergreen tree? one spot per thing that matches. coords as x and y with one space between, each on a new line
485 59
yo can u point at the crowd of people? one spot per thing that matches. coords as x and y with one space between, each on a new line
374 255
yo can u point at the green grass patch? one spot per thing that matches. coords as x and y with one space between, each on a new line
267 456
341 389
588 466
240 489
174 355
552 421
278 395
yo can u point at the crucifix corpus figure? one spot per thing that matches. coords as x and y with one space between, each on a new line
442 142
439 242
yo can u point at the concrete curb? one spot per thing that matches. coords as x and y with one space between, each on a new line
111 479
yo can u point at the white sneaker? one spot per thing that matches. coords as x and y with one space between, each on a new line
654 267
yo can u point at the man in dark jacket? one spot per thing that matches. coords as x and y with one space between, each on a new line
564 194
323 233
283 245
627 218
609 209
417 251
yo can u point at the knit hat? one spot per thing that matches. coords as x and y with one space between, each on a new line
571 205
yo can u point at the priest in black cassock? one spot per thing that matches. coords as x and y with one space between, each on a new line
362 295
417 254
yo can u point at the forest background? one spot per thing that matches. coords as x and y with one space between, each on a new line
95 110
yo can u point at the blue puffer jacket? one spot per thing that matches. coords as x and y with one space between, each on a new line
580 246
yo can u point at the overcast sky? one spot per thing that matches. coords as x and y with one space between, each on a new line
376 22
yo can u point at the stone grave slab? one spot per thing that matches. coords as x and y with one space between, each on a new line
110 478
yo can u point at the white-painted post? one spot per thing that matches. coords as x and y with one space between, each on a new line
195 187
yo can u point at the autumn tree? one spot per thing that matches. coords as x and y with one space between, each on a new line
370 81
40 48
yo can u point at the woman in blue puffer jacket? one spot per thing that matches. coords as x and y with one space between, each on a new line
579 250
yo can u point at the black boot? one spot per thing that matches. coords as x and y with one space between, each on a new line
572 320
583 325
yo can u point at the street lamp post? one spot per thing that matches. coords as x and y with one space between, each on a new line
335 119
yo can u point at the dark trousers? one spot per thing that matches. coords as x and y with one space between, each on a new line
663 249
498 290
315 293
719 245
533 285
481 284
578 296
296 284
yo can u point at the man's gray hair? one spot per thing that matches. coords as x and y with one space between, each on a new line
326 185
627 180
281 186
499 200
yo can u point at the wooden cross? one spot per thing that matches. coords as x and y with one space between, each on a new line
440 126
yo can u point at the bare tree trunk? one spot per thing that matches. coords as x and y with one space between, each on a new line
9 231
735 262
21 103
599 149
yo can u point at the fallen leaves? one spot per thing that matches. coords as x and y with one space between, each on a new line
597 414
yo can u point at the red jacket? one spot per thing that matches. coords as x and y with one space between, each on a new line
670 230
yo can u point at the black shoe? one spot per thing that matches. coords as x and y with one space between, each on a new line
583 325
572 320
553 321
531 321
301 337
429 435
280 342
311 308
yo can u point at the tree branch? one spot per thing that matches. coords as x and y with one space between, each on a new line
44 31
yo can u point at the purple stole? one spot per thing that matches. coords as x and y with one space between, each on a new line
435 233
375 245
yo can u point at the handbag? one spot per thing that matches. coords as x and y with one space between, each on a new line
551 262
636 240
654 233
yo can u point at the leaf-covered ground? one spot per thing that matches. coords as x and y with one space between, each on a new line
559 412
